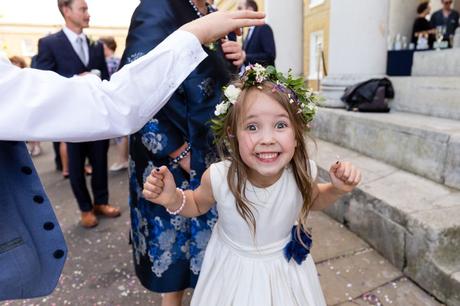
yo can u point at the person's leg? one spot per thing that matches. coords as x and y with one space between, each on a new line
57 156
124 151
77 154
121 148
99 181
64 159
172 298
97 156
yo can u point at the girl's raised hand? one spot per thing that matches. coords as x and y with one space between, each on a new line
159 187
344 176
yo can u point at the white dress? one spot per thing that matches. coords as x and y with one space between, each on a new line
242 270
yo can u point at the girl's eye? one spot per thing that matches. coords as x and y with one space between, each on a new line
281 125
251 127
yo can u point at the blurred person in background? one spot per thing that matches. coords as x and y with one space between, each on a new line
446 18
259 43
69 52
422 26
110 46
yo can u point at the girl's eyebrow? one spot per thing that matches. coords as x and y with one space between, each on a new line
283 115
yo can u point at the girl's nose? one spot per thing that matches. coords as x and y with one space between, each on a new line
267 137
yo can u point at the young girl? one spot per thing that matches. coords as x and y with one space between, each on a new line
264 186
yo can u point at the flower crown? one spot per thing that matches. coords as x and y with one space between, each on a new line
255 75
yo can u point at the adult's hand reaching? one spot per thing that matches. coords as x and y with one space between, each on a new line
218 24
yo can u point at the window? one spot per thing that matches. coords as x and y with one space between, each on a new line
316 63
314 3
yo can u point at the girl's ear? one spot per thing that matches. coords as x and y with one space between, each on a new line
229 133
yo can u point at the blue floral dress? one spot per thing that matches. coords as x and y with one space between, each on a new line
168 250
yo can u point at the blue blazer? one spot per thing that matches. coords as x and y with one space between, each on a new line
260 47
32 246
55 53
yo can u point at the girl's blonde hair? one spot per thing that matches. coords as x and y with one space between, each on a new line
237 175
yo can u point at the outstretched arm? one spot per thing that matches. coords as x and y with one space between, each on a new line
344 178
160 188
41 105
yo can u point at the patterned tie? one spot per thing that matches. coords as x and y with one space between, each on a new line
81 51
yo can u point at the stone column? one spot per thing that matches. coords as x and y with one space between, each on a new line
401 18
286 20
357 45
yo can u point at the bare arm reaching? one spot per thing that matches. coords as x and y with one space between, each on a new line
160 188
41 105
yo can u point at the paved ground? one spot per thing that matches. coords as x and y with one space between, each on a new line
99 269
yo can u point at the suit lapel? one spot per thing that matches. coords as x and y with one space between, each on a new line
67 45
90 52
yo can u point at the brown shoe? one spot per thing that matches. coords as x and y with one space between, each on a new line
107 210
88 219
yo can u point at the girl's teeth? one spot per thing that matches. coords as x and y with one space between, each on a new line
267 155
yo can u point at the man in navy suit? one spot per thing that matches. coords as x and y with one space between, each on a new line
259 43
69 52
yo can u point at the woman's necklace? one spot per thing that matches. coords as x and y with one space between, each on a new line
211 46
197 11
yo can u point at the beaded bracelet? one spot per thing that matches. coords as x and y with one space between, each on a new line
181 155
175 212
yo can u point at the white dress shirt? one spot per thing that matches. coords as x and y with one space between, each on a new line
41 105
72 37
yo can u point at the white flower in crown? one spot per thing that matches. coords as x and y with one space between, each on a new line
232 92
261 73
222 108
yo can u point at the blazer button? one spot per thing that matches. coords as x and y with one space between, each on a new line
38 199
48 226
26 170
58 254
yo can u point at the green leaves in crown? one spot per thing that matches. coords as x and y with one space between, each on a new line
255 75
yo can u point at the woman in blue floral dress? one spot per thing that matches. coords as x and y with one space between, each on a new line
168 250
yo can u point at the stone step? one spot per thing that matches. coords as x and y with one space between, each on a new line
433 96
423 145
413 222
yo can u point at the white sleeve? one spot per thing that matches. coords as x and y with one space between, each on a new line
41 105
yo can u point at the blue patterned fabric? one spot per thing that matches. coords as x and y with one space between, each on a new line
168 250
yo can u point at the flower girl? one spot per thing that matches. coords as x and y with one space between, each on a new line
264 189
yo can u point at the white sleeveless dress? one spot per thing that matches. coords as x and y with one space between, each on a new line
239 270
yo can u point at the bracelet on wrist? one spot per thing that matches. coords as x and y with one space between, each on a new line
181 155
182 205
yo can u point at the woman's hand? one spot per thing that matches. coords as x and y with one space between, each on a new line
234 52
160 187
218 24
344 176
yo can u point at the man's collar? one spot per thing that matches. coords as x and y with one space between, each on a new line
71 35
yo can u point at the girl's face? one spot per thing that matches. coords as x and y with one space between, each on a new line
266 138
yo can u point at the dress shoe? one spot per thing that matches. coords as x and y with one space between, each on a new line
88 219
107 210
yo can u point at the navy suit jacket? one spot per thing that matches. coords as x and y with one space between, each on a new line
55 53
260 47
32 246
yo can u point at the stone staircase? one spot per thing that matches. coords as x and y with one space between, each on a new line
408 205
